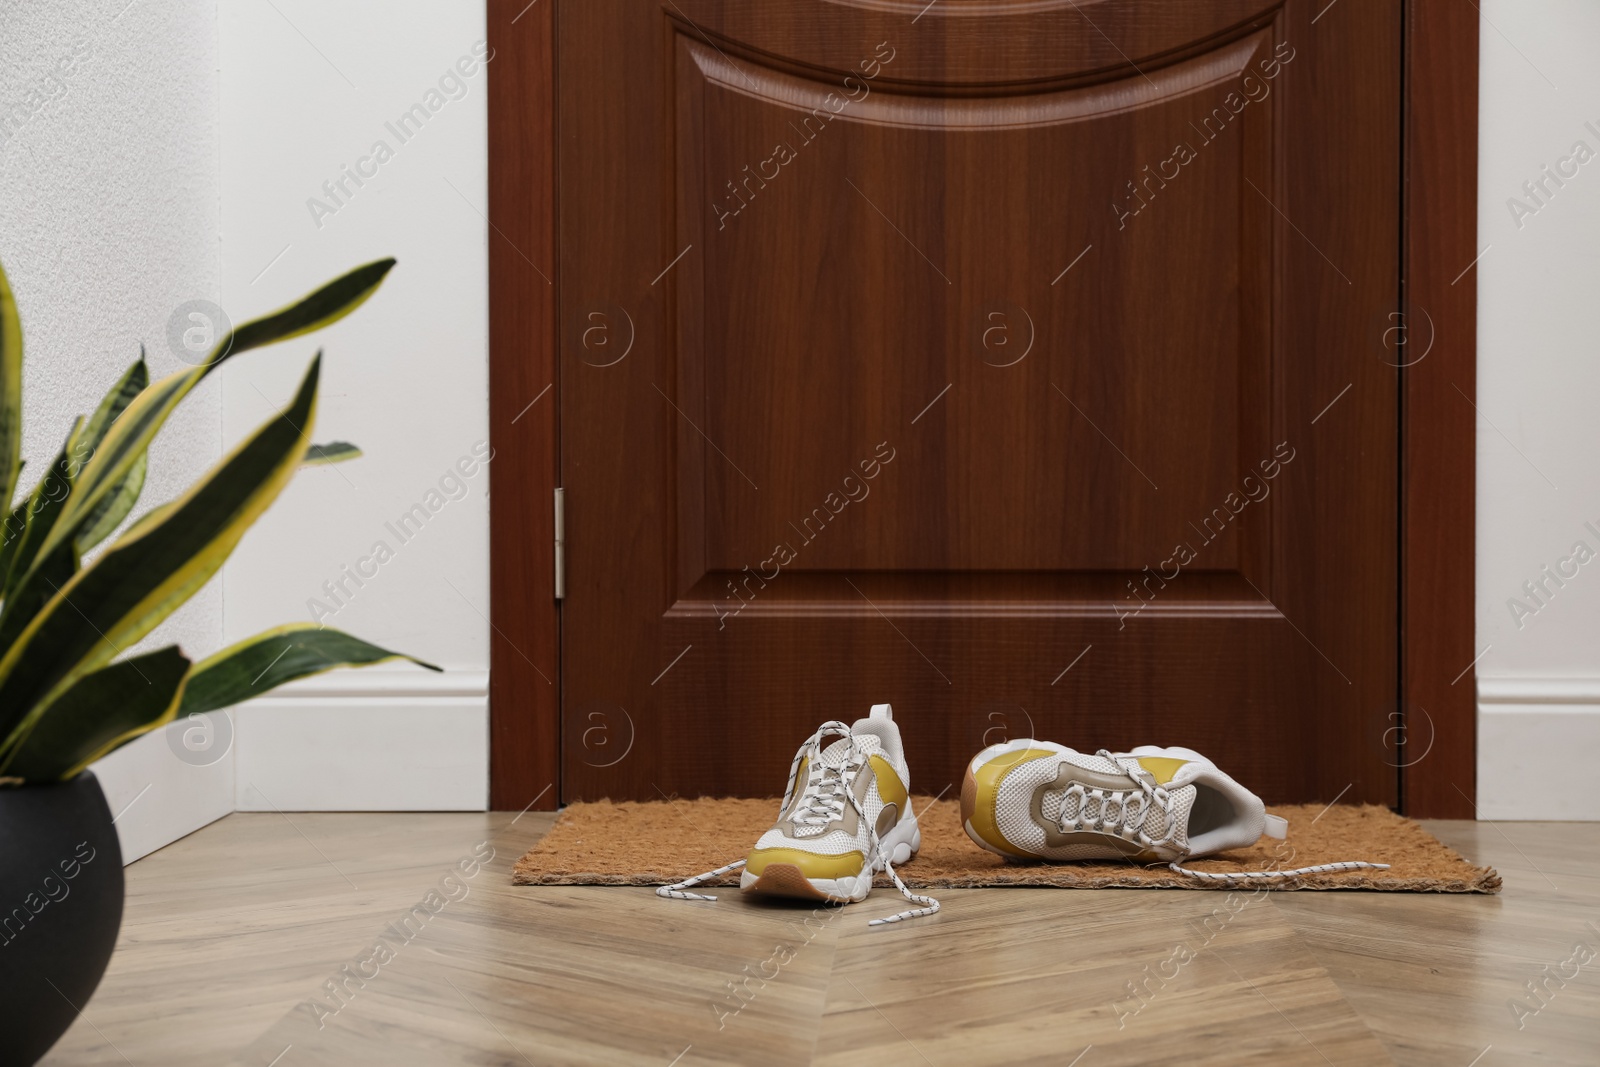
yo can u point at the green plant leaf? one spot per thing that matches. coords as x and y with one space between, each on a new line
130 435
312 312
10 539
146 574
23 599
10 392
44 505
100 712
89 436
276 656
46 578
332 452
147 518
113 508
115 505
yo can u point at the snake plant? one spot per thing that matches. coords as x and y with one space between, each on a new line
68 692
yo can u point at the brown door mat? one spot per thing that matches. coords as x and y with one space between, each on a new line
658 842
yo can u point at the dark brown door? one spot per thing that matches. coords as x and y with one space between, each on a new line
1018 364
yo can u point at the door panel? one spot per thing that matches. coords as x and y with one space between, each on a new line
969 45
979 380
1180 383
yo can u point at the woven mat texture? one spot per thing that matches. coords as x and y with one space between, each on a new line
658 842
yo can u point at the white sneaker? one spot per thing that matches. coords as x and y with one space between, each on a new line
1031 800
838 826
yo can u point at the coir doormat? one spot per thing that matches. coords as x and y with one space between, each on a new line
664 841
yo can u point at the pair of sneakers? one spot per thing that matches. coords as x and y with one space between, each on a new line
846 814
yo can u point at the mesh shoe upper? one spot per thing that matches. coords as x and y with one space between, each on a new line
818 819
1037 799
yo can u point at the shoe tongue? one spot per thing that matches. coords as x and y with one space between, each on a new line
1186 772
1182 804
833 756
866 744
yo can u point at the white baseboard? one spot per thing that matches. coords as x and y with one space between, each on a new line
157 795
1538 745
376 740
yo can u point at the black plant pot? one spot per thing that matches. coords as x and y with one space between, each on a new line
60 908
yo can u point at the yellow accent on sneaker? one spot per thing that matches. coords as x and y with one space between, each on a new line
980 790
1163 768
811 864
890 787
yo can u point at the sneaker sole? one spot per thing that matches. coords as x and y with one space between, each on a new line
787 880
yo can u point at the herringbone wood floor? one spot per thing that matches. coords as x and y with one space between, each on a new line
234 937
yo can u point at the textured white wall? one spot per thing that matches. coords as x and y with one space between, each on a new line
1539 394
108 221
309 91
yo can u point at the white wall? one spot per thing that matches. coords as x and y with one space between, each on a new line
308 89
163 152
1539 394
108 221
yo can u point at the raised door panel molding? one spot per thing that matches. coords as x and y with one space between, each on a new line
968 46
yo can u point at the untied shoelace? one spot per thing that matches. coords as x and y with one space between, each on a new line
823 801
1130 810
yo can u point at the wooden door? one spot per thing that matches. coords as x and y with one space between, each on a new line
1019 364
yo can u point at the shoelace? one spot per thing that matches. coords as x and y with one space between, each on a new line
1131 809
824 797
827 791
1095 806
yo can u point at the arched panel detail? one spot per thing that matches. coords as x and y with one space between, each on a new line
966 47
855 101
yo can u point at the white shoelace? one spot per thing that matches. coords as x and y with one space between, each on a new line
1123 811
828 789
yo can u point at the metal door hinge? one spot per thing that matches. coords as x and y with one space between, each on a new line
561 544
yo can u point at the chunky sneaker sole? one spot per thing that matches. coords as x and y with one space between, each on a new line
776 878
